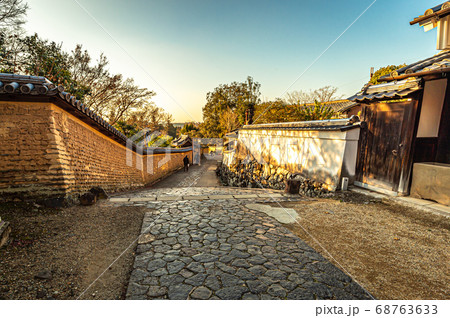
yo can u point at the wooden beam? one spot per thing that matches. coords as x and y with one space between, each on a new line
437 15
390 78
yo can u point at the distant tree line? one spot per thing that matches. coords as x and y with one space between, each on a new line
191 129
226 107
119 100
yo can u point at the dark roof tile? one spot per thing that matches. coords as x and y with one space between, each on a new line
438 61
38 85
435 13
400 89
329 124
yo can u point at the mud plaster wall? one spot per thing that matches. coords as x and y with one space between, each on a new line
46 152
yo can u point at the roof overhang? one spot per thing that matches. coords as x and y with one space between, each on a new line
429 19
400 89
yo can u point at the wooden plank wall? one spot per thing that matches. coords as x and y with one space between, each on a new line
386 145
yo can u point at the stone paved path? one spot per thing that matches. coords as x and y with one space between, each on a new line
202 248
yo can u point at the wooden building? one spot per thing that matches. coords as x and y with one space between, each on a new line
408 122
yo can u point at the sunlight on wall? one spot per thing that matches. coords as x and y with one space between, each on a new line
319 155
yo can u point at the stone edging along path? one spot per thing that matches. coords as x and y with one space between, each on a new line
207 244
199 197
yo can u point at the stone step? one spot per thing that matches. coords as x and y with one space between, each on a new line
201 197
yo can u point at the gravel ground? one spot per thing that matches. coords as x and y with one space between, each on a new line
395 252
69 248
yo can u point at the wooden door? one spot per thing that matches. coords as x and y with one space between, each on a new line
384 147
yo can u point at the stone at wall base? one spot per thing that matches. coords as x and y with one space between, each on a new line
57 202
99 192
88 198
5 230
252 174
292 186
64 200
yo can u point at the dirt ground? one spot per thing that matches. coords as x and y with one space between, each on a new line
395 252
75 245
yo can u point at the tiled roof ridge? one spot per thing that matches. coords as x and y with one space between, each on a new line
410 75
398 89
436 12
327 124
438 60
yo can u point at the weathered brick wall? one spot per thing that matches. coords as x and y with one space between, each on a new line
46 152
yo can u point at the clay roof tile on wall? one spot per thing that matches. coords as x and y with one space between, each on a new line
39 85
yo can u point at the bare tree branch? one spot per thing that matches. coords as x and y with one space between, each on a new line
12 13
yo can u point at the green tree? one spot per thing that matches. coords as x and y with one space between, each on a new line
35 56
171 130
149 116
128 130
278 111
160 141
384 71
274 112
191 129
89 79
236 97
316 112
109 95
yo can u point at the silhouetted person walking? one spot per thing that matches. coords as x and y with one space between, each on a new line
186 163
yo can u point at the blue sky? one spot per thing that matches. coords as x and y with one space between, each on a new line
183 49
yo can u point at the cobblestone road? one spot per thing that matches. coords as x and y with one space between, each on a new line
195 247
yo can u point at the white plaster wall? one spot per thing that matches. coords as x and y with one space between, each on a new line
350 155
432 103
320 155
228 157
